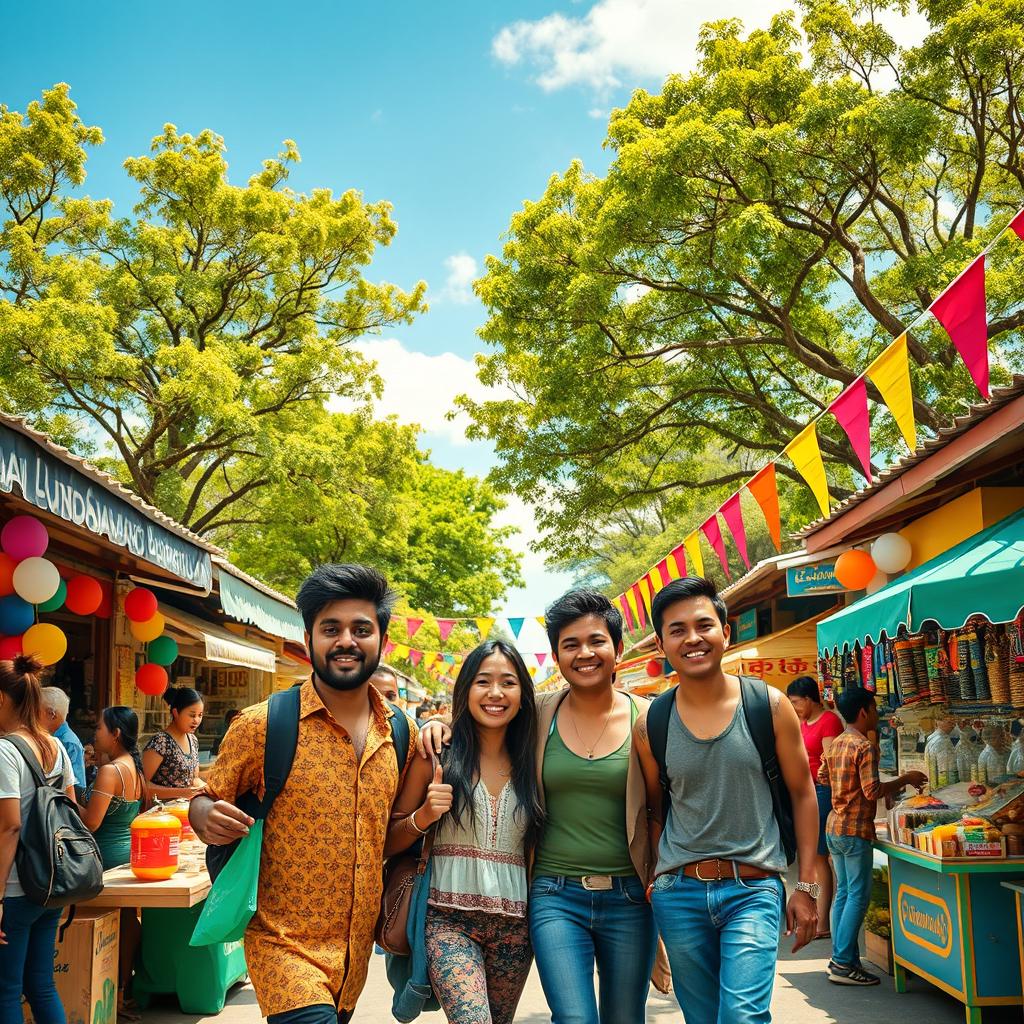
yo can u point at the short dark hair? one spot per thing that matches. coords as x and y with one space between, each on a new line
852 701
804 686
575 605
345 581
683 590
385 670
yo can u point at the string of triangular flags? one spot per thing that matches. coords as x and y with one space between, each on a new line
441 662
960 310
483 624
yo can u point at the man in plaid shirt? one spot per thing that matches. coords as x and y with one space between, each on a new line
850 767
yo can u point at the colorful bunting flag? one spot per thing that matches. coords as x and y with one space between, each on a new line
543 622
445 627
713 532
532 669
851 412
733 516
645 592
890 373
1017 225
401 650
764 489
389 646
661 575
632 611
412 626
541 657
696 560
676 563
516 626
961 311
415 657
484 625
641 611
805 454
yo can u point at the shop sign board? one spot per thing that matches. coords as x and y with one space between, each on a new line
53 486
926 929
820 578
746 625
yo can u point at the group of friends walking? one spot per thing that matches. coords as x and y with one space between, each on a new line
587 829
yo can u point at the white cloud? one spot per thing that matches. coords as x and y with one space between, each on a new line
463 270
622 42
421 388
597 113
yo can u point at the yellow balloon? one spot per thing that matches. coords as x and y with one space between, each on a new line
46 641
148 630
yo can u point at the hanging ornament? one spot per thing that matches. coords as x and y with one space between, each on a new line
163 650
36 580
16 615
84 595
148 630
891 552
140 604
151 679
855 569
24 537
46 641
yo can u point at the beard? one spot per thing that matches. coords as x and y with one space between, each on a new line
328 672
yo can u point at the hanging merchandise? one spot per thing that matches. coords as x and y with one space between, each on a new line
936 686
867 667
917 645
981 689
963 661
997 664
905 672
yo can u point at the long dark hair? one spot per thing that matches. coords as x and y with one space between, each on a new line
125 722
19 680
462 762
180 697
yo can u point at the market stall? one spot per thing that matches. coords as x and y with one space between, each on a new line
943 648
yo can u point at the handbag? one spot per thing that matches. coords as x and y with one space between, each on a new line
400 875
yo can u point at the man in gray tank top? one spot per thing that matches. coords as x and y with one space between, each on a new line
717 890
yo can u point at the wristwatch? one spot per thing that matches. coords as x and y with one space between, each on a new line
811 888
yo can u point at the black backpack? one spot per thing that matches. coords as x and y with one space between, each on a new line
57 858
757 710
279 753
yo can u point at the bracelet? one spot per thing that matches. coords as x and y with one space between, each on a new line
412 821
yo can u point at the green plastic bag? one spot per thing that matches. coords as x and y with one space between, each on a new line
232 899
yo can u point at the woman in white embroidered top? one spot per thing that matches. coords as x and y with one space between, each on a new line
489 816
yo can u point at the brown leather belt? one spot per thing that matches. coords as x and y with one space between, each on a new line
717 870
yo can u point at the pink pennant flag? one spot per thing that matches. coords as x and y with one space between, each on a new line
627 615
679 556
733 516
713 532
445 627
961 311
389 646
542 656
1017 225
851 411
641 612
662 568
415 657
412 626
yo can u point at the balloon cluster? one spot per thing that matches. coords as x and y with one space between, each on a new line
30 583
858 570
147 626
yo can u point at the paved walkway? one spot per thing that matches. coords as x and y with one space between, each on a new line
802 996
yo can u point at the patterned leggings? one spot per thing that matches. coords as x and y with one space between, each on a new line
478 964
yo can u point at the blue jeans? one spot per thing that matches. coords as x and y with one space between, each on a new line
319 1013
852 860
26 962
571 928
722 940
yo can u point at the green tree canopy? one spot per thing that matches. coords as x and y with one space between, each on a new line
768 224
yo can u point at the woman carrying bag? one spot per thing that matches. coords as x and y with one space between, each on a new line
488 816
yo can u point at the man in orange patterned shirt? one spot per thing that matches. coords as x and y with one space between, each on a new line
308 945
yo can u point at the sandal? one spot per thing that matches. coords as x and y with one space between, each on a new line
822 935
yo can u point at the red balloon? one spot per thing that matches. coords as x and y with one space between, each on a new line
7 567
140 604
654 669
151 679
10 647
84 595
106 608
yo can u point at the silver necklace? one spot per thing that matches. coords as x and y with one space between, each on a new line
607 719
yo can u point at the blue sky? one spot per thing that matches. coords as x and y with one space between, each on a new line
454 112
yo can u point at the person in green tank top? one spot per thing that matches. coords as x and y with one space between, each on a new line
113 802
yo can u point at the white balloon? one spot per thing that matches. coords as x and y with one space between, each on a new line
891 552
35 580
878 581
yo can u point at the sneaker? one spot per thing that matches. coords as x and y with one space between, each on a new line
854 975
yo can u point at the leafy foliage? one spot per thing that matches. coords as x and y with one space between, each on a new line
768 224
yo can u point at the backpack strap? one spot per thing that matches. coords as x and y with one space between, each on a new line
658 715
283 710
400 736
757 710
30 759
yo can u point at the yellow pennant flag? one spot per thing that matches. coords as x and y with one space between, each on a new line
890 373
645 591
485 626
805 454
401 651
694 561
542 620
532 669
631 601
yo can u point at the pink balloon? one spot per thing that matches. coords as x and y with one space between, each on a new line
24 537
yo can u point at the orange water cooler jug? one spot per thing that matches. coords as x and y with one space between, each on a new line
156 836
179 808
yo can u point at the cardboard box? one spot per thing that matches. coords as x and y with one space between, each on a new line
85 967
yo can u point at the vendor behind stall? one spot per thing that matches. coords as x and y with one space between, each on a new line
170 761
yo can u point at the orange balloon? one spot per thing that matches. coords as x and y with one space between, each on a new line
855 569
152 628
